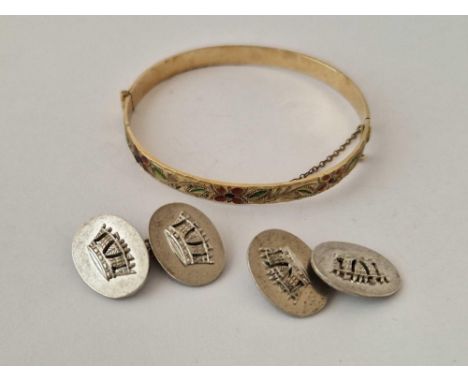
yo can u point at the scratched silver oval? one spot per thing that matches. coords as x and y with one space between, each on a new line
279 262
110 256
186 244
354 269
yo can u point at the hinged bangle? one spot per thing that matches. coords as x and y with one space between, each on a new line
317 179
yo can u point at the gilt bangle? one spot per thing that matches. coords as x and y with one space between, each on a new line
317 179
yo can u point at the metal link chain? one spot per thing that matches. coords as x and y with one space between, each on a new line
332 156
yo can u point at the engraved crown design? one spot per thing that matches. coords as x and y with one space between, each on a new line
110 254
188 241
358 270
285 271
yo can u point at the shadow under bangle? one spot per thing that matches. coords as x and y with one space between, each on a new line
316 180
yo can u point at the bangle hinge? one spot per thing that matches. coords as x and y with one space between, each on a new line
123 95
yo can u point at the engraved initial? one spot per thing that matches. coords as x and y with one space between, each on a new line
285 271
188 241
358 270
110 254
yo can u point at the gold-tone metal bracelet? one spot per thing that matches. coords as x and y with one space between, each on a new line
317 179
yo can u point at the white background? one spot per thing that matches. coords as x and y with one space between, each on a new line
64 160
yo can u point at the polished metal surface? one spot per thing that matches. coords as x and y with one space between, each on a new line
279 262
354 269
110 256
186 244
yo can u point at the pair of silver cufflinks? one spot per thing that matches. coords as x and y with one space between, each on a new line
113 259
299 280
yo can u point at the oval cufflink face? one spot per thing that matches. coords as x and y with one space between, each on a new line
186 244
110 256
279 262
354 269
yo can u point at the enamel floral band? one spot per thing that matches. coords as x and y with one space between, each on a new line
318 179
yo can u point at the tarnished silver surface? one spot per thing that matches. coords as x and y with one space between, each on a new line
354 269
279 262
110 256
186 244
